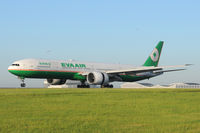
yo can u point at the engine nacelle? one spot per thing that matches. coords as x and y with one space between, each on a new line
56 81
98 78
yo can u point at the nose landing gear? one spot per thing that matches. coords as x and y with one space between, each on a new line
22 84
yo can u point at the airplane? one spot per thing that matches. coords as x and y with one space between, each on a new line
88 73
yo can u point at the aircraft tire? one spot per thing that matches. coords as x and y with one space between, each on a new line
83 86
23 85
107 86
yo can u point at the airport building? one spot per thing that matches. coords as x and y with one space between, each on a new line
147 85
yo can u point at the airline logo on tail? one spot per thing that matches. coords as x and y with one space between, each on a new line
154 57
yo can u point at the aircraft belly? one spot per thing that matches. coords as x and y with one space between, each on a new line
128 78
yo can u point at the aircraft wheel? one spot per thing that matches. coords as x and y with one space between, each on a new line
83 86
107 86
79 86
23 85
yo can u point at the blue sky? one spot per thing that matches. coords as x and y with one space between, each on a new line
102 31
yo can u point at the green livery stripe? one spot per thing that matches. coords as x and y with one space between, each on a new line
48 74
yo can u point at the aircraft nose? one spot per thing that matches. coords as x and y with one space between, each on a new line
9 68
13 69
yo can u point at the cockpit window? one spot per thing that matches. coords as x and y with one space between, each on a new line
15 64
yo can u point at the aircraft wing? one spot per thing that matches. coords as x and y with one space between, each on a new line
148 69
163 71
134 70
177 66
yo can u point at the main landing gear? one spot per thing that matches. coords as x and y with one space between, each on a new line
107 86
22 84
83 85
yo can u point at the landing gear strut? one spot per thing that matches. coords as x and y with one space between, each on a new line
22 84
107 86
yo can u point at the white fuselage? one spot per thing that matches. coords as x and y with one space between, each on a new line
40 64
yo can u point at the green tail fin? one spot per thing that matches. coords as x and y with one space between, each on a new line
154 57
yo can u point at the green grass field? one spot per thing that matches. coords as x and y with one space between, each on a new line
100 110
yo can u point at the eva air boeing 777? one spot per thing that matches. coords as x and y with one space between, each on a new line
57 72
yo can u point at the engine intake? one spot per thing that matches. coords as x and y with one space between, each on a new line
56 81
98 78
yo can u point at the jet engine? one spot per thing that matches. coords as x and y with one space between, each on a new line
56 81
98 78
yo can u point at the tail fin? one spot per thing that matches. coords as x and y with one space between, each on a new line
154 57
